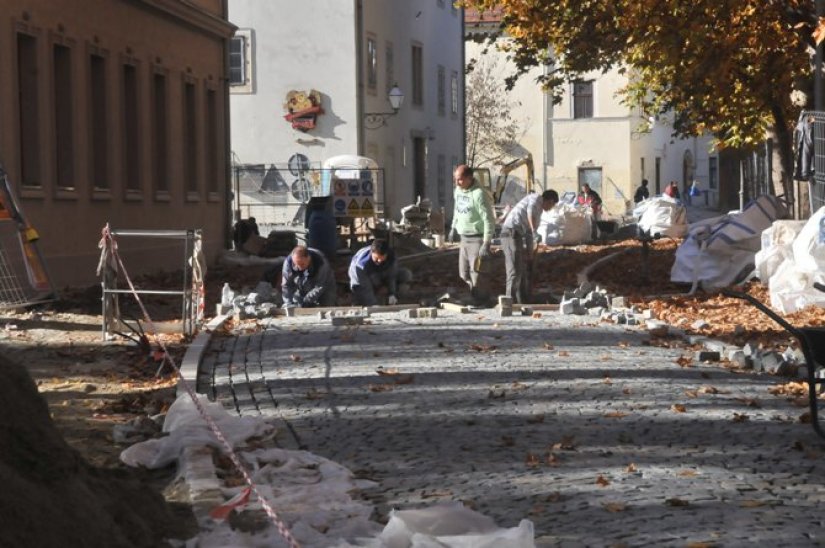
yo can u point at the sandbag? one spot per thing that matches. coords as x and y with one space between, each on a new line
565 225
662 215
776 244
791 286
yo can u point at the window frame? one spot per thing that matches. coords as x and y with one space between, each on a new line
581 100
245 37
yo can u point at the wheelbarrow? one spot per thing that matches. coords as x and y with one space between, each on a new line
811 342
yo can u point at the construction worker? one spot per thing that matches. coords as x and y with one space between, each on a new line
474 223
517 240
307 279
373 267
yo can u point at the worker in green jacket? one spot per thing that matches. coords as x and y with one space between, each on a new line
474 223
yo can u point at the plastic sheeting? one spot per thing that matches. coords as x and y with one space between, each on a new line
662 215
312 495
719 252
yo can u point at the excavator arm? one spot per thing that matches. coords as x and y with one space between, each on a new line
506 169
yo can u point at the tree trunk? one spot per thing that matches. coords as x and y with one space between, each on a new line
781 177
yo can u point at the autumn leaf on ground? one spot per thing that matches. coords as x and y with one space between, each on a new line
536 315
752 503
615 415
740 417
295 357
313 394
688 473
708 389
532 460
614 507
566 444
551 459
623 344
684 361
563 353
519 386
496 394
678 408
627 391
805 418
692 393
677 502
388 372
548 346
483 347
631 468
601 481
379 387
607 380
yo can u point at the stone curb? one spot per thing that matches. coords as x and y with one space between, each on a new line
191 361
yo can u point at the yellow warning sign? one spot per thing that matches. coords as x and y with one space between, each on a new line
353 209
366 208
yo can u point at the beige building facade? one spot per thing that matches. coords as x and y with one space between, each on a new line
116 112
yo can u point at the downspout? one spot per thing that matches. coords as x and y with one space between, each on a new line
463 154
227 131
359 75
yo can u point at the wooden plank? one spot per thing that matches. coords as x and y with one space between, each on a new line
453 307
536 307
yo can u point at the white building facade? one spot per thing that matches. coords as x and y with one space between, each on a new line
341 58
590 137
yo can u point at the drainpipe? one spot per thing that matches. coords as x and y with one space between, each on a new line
818 99
359 76
227 131
463 155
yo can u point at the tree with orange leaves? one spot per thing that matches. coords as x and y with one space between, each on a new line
727 67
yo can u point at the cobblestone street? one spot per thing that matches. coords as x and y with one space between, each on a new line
579 426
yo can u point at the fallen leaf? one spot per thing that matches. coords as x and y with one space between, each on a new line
614 507
566 444
692 393
750 402
563 353
740 417
623 344
677 502
708 389
391 371
496 394
805 418
551 459
627 391
631 468
483 347
379 387
688 473
536 315
616 414
548 346
295 357
752 503
684 361
601 481
678 408
532 460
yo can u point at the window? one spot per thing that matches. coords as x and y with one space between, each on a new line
29 113
237 61
190 149
417 76
372 64
99 122
240 62
160 155
389 66
591 176
583 99
454 93
713 173
442 91
63 123
212 175
131 141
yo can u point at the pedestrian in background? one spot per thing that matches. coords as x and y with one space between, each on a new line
642 193
374 267
517 241
474 223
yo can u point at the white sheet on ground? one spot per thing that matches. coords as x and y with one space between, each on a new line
662 215
719 252
313 495
791 286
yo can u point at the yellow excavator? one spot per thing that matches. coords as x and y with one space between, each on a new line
516 188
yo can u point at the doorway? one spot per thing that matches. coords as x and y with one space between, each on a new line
419 168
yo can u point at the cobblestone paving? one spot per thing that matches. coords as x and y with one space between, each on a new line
575 425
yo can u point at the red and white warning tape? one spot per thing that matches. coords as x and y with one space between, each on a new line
221 512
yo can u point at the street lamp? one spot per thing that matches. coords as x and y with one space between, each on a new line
375 120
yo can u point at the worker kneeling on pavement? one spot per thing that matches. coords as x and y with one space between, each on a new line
517 241
372 268
307 279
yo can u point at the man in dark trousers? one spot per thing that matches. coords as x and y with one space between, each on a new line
372 268
307 279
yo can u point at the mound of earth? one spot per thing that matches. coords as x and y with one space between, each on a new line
52 497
